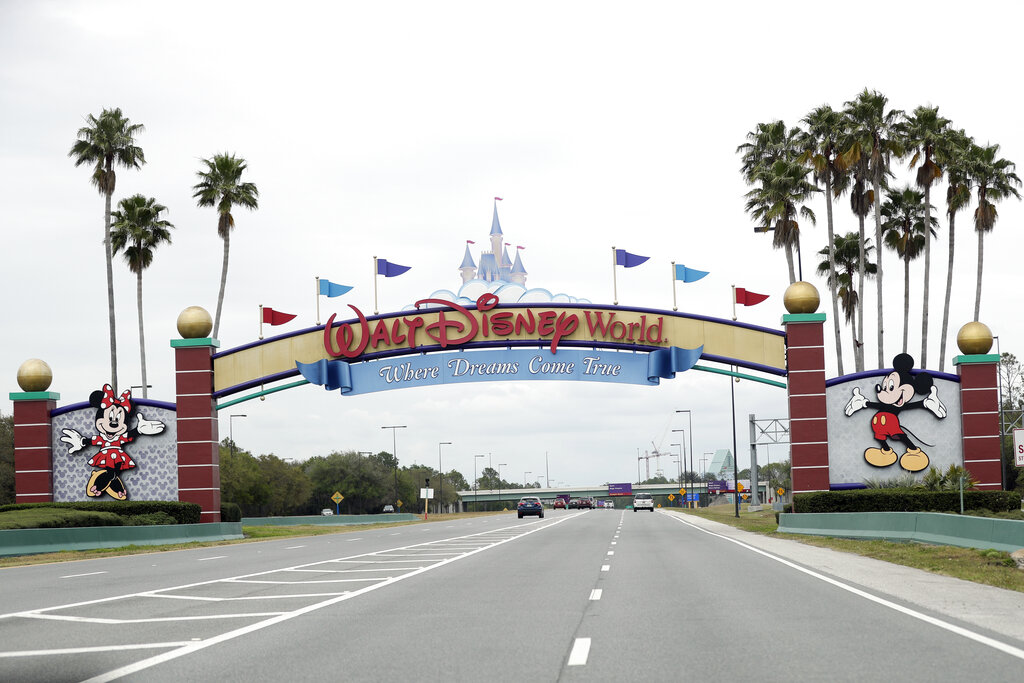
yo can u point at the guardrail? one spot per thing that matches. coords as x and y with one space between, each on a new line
924 527
35 541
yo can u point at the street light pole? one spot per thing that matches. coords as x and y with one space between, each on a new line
476 484
500 465
689 423
524 478
394 454
682 454
440 475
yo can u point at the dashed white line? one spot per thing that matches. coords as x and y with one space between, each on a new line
611 552
75 576
215 557
293 547
605 567
596 594
580 652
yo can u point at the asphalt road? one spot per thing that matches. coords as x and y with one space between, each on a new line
596 595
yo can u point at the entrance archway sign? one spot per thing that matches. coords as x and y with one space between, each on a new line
432 345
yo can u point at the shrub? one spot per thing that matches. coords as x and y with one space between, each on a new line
904 500
149 519
181 513
230 512
51 518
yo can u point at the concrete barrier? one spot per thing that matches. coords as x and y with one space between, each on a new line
329 520
35 541
924 527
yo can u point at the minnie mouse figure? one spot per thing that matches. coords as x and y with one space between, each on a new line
894 395
112 415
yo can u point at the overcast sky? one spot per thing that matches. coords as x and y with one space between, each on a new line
386 129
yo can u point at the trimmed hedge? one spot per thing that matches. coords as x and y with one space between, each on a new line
230 512
904 500
50 518
181 513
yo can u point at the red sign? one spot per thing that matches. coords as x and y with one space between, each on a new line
467 325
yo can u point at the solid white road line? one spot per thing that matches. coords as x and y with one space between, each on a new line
88 650
580 652
75 576
945 625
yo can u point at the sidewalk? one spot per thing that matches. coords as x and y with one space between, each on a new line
995 609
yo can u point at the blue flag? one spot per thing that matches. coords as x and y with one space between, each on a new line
329 289
689 274
627 260
390 269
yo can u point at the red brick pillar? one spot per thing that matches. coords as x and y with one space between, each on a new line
198 439
33 447
808 416
979 401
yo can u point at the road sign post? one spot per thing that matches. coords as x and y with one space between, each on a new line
337 498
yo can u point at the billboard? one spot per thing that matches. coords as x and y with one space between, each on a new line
620 489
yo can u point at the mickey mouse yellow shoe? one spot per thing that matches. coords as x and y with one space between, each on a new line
914 460
880 457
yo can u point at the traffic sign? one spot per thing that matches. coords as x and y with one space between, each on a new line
1018 446
781 491
399 503
682 492
671 497
337 497
741 487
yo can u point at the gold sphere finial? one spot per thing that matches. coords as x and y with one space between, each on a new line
34 375
194 323
801 297
974 338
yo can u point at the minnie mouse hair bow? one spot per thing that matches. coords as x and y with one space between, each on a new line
124 400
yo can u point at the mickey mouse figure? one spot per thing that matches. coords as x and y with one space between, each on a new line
894 395
112 415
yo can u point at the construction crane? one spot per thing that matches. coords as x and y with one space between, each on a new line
646 457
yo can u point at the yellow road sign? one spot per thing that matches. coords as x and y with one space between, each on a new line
337 497
682 492
399 503
780 491
671 497
741 487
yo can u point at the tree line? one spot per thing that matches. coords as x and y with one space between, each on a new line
852 151
138 226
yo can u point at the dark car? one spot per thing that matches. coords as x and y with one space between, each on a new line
574 503
530 505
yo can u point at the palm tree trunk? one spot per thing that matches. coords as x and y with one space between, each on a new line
927 271
878 251
858 351
110 290
981 262
949 291
832 270
223 283
789 262
906 300
142 337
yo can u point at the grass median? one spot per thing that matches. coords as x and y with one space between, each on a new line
989 567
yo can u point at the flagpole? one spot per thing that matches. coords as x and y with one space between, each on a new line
734 302
674 307
261 321
615 285
375 285
317 300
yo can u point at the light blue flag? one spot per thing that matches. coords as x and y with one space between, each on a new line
329 289
689 274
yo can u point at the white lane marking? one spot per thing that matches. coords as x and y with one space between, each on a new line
945 625
605 567
580 652
349 571
353 539
216 557
75 576
244 597
615 542
397 533
87 650
293 547
596 594
611 552
154 620
190 648
304 583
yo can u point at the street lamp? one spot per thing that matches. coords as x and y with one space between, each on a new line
500 465
524 478
683 452
689 423
231 431
394 453
440 475
476 484
678 461
145 394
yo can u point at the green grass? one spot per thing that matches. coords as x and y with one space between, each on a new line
989 567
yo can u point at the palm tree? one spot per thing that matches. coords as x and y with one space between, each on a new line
778 201
904 212
924 130
825 128
220 185
875 134
845 254
953 152
138 229
104 143
995 180
861 199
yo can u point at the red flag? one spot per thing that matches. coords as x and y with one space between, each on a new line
497 199
272 317
470 242
745 298
518 247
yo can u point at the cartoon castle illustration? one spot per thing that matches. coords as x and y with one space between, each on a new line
495 264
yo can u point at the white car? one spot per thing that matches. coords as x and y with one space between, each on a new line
327 512
643 501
